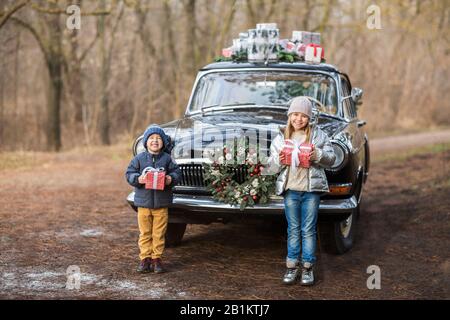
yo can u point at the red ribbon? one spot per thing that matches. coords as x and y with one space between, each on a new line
315 46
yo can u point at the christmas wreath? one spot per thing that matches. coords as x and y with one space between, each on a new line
221 175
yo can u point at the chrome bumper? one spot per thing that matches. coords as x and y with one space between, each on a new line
197 203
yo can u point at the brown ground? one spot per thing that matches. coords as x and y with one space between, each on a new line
70 209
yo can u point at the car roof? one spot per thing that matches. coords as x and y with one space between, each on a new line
281 65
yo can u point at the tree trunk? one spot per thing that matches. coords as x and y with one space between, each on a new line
104 102
54 104
2 95
75 79
54 60
191 39
15 135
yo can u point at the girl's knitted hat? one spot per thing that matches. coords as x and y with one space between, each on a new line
301 104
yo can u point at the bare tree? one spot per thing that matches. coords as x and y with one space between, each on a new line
106 56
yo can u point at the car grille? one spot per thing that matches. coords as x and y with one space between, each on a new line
192 175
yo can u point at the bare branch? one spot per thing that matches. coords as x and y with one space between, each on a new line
41 42
5 15
63 11
89 47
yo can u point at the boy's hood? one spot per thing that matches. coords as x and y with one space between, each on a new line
167 144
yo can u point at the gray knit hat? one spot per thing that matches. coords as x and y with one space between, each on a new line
301 104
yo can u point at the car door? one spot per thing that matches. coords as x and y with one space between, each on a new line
355 127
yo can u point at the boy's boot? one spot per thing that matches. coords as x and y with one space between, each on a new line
157 266
145 266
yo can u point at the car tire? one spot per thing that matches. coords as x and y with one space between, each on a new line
174 234
338 237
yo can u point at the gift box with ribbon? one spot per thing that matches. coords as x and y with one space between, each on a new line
314 53
304 37
291 152
154 178
305 150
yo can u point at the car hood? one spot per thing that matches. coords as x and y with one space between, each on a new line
237 121
194 133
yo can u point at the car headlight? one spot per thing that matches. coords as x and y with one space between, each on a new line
138 146
341 153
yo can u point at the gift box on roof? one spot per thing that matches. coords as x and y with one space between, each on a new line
314 53
300 50
154 178
315 37
305 150
227 52
301 37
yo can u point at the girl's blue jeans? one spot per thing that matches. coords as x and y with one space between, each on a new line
301 210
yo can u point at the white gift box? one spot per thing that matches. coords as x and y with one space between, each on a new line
262 44
315 37
301 36
266 26
252 50
313 54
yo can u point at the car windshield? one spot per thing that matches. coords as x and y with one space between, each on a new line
271 88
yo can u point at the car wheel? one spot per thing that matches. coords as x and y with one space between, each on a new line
339 236
174 234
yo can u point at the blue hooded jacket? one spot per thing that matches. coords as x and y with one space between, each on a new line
149 198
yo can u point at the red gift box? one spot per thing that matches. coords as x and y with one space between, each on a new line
227 52
290 148
314 53
154 178
305 150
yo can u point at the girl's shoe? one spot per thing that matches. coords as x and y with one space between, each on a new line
291 275
145 266
307 275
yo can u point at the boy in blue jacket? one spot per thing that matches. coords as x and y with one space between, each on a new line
153 204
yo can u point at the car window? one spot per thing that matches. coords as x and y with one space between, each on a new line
264 88
349 109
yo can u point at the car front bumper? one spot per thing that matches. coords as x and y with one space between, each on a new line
204 209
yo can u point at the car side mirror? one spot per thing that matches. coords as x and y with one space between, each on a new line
357 95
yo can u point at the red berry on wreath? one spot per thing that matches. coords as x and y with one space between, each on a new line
245 198
255 197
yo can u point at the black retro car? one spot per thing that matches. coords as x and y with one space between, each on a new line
231 99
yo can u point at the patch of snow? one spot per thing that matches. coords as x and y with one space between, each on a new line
49 283
43 275
91 233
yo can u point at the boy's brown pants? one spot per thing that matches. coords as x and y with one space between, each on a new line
152 232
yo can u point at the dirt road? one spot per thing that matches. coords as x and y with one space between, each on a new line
70 210
403 142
